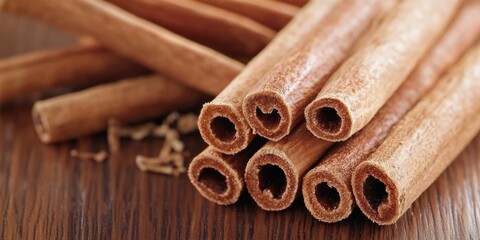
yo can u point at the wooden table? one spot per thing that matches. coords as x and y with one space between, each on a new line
45 194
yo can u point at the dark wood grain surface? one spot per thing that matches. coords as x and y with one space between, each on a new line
45 194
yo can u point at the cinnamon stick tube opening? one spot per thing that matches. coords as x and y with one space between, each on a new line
326 196
268 114
375 193
215 179
329 119
271 180
224 128
40 125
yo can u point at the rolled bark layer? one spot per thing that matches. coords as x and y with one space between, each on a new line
219 177
326 189
272 14
422 145
276 104
136 38
225 31
362 85
299 3
74 66
221 122
81 113
274 174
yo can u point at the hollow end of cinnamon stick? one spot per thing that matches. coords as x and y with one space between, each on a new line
268 114
326 196
376 194
271 180
329 119
40 125
215 179
224 128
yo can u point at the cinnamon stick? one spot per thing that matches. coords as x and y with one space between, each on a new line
326 189
221 121
362 85
81 113
299 3
272 14
274 174
225 31
276 103
422 145
219 177
78 65
138 39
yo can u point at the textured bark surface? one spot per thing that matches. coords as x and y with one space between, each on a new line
46 194
225 111
361 86
134 100
273 14
136 38
79 65
422 145
227 32
337 166
275 105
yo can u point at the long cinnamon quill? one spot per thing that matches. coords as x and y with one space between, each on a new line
362 85
299 3
138 39
79 65
81 113
228 32
276 104
221 122
422 145
326 189
270 13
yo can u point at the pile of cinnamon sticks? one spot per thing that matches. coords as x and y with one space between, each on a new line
352 103
122 44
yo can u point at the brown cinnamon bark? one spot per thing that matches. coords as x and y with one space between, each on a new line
79 65
299 3
221 122
219 29
138 39
272 14
422 145
326 189
81 113
273 175
362 85
219 177
276 104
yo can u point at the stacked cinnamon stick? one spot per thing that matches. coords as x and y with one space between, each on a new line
187 33
353 102
326 102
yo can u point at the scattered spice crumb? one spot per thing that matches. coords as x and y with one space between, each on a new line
177 145
172 117
170 165
112 135
187 123
138 132
171 158
161 131
97 157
